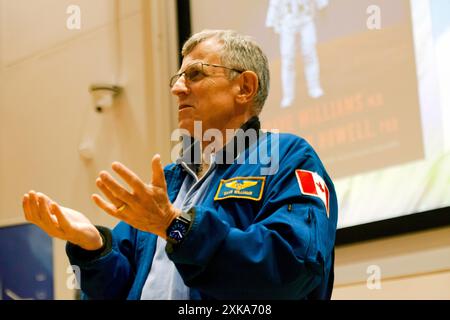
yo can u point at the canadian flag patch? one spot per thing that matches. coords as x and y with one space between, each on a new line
312 184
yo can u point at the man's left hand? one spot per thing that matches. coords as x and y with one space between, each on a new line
146 207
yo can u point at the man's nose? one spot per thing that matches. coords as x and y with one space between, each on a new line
180 86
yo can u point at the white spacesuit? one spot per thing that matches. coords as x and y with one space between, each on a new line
288 18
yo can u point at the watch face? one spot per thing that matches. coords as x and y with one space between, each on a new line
178 230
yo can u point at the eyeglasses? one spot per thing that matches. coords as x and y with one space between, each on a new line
195 72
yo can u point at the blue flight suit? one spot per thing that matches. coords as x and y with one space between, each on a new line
274 241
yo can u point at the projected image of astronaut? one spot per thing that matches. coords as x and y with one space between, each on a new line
290 18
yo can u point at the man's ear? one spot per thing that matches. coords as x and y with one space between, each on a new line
248 87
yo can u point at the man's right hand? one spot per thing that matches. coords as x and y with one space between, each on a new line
60 222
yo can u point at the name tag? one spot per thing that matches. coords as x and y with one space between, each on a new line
241 187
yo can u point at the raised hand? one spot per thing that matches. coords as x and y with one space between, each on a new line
60 222
146 207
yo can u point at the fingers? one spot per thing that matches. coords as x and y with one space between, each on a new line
116 202
115 189
26 207
129 177
44 210
37 211
158 179
34 208
62 220
105 206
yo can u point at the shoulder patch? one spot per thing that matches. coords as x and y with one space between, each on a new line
312 184
241 187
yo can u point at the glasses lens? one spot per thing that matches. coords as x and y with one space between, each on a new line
194 72
174 79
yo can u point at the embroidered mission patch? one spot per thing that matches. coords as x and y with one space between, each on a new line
241 187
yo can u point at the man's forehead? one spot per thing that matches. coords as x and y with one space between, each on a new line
207 51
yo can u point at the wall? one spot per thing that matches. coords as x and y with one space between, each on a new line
410 266
47 111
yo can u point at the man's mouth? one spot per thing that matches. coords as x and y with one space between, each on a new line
184 106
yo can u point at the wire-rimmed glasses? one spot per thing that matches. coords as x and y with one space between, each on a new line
195 72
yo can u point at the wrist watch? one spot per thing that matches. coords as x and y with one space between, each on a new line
179 228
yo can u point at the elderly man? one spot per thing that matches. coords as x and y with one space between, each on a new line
209 229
